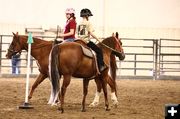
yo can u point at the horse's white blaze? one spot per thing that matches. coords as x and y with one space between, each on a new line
96 100
114 98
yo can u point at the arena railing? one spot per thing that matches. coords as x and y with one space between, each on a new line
145 59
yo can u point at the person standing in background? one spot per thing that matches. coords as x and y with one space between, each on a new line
15 63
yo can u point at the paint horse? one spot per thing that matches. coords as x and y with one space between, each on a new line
40 51
68 59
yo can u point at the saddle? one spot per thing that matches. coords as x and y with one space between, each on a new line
88 52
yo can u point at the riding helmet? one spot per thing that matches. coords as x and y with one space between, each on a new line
85 12
70 11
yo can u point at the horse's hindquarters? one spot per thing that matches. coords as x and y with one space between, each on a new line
73 61
87 68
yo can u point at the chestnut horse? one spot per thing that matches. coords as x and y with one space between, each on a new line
40 51
67 60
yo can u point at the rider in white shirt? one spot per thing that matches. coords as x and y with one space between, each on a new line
85 30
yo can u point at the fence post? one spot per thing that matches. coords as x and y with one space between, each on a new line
155 59
1 51
135 58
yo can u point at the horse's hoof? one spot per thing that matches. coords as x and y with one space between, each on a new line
83 110
94 104
107 109
116 105
29 97
115 102
61 109
54 104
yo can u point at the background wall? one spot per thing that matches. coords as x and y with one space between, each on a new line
136 19
130 17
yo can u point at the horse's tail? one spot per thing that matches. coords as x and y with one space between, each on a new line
54 72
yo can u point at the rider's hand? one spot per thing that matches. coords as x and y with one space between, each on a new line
61 35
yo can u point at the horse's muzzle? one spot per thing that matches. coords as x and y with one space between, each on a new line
122 56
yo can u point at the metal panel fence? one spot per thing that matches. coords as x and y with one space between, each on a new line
141 58
169 57
150 58
145 58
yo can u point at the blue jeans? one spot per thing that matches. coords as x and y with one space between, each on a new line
69 39
15 65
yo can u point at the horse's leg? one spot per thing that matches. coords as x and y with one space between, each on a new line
85 91
66 82
97 94
39 79
112 85
104 86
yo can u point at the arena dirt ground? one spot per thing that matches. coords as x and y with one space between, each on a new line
138 99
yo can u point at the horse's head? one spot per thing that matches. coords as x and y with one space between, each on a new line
116 45
15 46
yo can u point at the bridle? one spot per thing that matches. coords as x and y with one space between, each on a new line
117 45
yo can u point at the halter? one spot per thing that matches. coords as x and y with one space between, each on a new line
117 45
11 49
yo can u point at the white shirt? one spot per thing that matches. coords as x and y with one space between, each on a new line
83 30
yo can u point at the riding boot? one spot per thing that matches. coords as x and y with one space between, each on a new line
101 65
99 54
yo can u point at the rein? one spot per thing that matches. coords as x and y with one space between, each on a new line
108 46
117 45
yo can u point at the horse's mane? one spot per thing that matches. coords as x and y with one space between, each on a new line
108 41
37 41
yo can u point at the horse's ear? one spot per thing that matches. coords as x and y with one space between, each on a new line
13 33
117 35
113 34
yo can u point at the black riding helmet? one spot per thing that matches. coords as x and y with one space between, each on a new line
85 12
